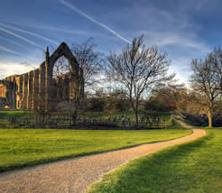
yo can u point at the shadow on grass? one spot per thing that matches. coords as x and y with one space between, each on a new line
37 163
168 171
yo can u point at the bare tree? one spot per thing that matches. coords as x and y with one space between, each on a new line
89 60
204 81
215 59
138 69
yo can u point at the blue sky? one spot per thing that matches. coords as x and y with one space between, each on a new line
184 29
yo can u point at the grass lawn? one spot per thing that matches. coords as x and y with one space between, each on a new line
190 168
22 147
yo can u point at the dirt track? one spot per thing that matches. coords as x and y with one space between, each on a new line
75 175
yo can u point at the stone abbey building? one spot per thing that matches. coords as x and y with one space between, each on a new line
39 90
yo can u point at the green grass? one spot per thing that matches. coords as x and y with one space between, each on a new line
190 168
7 114
22 147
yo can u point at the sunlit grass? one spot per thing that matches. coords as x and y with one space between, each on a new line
21 147
190 168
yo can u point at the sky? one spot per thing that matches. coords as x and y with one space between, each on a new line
183 29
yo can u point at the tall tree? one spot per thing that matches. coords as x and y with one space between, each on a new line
138 69
204 81
215 59
89 60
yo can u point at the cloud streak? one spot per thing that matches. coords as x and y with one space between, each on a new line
165 39
30 33
2 48
7 31
98 23
15 43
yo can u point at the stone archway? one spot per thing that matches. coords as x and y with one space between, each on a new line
71 81
61 84
32 90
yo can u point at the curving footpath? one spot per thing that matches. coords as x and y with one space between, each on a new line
75 175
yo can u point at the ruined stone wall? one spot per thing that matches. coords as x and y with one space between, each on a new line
2 91
32 90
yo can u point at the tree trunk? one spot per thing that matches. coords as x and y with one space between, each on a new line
210 118
137 113
135 110
137 118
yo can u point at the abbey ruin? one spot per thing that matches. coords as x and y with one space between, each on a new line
39 89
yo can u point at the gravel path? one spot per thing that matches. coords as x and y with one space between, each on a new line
75 175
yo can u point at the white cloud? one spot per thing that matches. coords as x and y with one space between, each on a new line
163 39
181 67
7 69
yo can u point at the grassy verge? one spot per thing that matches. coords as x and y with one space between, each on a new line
22 147
190 168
